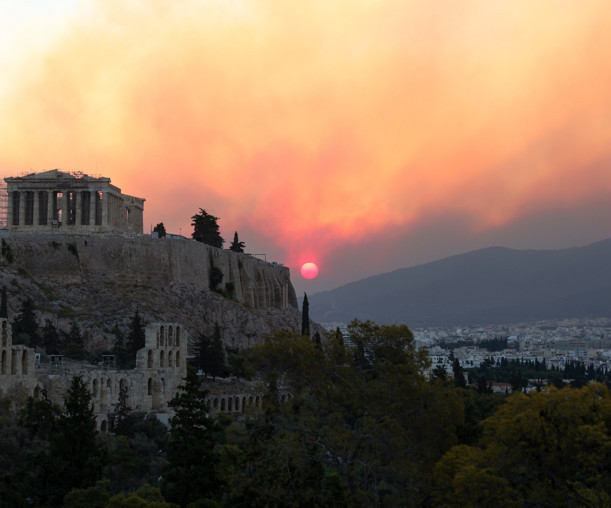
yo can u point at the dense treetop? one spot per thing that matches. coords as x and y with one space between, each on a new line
206 229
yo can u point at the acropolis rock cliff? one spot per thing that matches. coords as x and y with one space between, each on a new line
99 280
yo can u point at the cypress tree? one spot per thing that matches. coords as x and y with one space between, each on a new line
136 336
236 245
305 316
120 413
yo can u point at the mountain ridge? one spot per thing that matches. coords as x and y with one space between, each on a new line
483 286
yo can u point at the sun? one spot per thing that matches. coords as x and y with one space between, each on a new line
309 270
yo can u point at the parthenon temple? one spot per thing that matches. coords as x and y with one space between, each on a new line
70 203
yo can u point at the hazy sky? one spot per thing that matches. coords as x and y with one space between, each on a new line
363 135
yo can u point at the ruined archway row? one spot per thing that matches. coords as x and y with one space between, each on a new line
160 368
238 403
165 348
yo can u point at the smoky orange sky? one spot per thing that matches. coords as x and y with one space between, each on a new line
363 135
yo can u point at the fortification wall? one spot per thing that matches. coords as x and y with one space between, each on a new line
144 260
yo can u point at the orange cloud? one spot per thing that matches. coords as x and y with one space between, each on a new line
319 123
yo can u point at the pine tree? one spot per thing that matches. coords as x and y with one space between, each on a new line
206 229
120 413
459 375
236 245
136 337
305 316
25 326
211 354
192 472
51 339
40 416
160 230
74 444
74 343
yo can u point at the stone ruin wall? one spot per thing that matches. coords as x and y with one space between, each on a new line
141 259
160 368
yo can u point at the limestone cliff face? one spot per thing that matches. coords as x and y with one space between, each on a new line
100 280
143 260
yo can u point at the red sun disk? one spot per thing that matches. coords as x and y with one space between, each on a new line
309 270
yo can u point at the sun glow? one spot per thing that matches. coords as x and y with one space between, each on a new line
309 270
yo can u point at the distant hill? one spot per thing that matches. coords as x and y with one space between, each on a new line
485 286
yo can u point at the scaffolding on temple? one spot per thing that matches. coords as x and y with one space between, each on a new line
3 204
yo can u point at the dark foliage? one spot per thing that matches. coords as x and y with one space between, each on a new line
206 229
210 358
160 230
192 472
495 344
74 343
216 277
136 337
305 316
25 325
236 245
51 339
117 419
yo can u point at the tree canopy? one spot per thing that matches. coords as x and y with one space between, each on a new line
210 354
160 230
192 471
551 448
25 325
236 245
361 426
206 229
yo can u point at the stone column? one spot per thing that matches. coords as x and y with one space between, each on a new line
22 196
9 211
78 198
64 208
105 205
50 211
118 212
36 208
92 194
113 215
111 211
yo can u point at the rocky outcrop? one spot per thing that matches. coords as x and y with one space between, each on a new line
155 262
100 280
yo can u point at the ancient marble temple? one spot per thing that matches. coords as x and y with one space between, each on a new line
70 203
